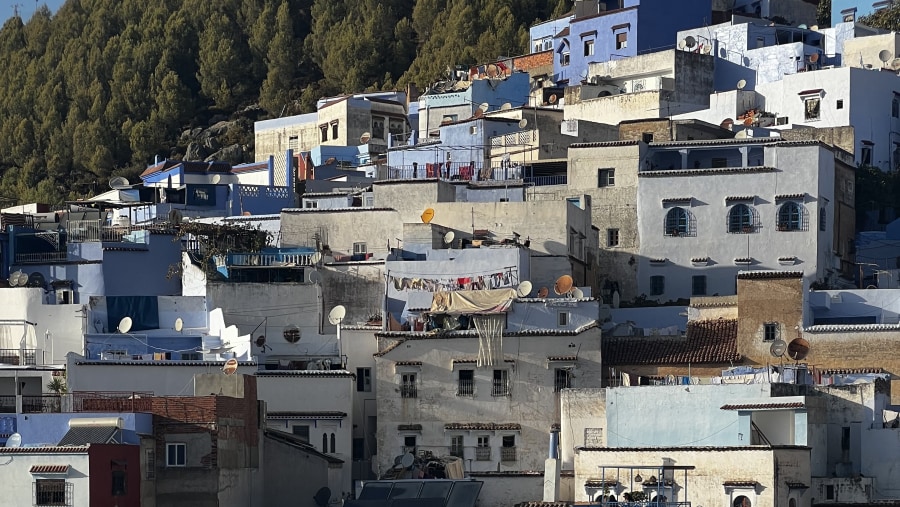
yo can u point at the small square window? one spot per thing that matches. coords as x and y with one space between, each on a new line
364 380
589 48
811 108
50 492
563 379
118 483
334 130
562 319
409 444
176 455
840 104
621 40
606 177
770 331
323 131
698 285
293 143
647 137
456 446
657 285
760 42
612 237
359 248
564 59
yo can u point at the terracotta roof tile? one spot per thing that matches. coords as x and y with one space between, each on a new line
409 427
761 275
54 449
596 482
306 415
796 485
706 342
741 484
562 358
408 363
763 406
483 426
852 371
49 469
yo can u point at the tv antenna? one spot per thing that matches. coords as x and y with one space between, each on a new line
778 348
483 107
690 41
885 56
14 440
216 179
741 84
337 314
291 333
543 292
427 215
449 237
552 99
577 293
506 106
798 349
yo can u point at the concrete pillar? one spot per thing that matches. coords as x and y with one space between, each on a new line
552 469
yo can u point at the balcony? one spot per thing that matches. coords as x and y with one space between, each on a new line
268 259
482 454
408 391
7 404
507 454
45 403
22 357
86 231
465 388
41 257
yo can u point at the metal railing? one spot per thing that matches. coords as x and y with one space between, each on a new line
268 259
44 403
41 257
18 356
544 181
466 388
85 231
500 388
507 454
482 453
111 401
7 404
408 391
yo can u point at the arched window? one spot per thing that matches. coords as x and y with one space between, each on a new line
741 501
790 217
324 442
332 442
677 222
740 219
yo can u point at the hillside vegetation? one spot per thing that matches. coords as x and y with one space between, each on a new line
103 86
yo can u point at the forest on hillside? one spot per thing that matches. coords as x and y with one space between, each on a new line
103 86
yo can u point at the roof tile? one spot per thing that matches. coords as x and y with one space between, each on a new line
49 469
763 406
483 426
709 341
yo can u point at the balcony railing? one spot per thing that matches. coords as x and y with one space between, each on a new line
408 391
7 404
507 454
543 181
466 388
84 231
18 356
482 453
284 259
457 450
111 401
45 403
41 257
500 388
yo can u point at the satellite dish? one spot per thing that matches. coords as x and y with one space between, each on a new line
506 106
14 278
584 74
322 497
690 41
798 349
524 289
814 28
14 440
552 99
337 314
261 341
175 217
543 292
884 55
802 25
741 84
813 58
291 333
427 215
448 238
179 324
314 277
315 258
483 107
230 366
407 460
119 183
523 123
492 70
563 285
707 49
478 113
124 325
895 64
682 44
778 348
364 138
741 135
216 179
577 293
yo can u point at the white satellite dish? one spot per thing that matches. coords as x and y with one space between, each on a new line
314 277
365 137
707 49
523 123
125 325
14 278
119 183
179 324
885 55
682 44
484 106
315 258
524 289
741 84
407 460
22 279
337 314
577 293
506 106
449 237
14 440
216 179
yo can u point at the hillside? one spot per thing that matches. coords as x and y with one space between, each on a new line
104 86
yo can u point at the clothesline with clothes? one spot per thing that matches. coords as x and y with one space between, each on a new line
492 279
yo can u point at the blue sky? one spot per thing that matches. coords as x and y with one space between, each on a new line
26 7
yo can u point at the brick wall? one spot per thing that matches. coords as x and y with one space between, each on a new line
534 61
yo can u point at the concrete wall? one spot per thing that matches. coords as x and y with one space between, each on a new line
583 422
762 301
19 483
532 401
298 482
504 490
272 137
160 377
62 322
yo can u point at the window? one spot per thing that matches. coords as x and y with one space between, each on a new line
823 215
829 492
311 204
191 356
563 379
364 380
719 162
677 222
588 48
740 219
564 59
866 153
606 177
409 444
508 449
324 442
781 120
456 446
760 42
333 439
359 248
176 455
698 285
301 431
408 385
562 319
895 108
500 386
657 285
647 137
840 104
334 130
323 131
811 108
293 143
770 331
612 237
466 383
790 217
621 40
483 449
51 492
118 483
378 127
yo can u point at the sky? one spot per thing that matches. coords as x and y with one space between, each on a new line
26 7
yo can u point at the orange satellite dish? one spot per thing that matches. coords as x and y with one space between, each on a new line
230 366
542 292
563 285
427 216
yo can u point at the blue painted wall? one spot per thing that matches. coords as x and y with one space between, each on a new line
349 154
547 29
137 343
50 428
143 272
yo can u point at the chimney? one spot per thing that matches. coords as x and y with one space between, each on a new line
552 468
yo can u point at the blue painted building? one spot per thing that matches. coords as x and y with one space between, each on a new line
632 28
542 34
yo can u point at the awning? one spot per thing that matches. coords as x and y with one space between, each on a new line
473 301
